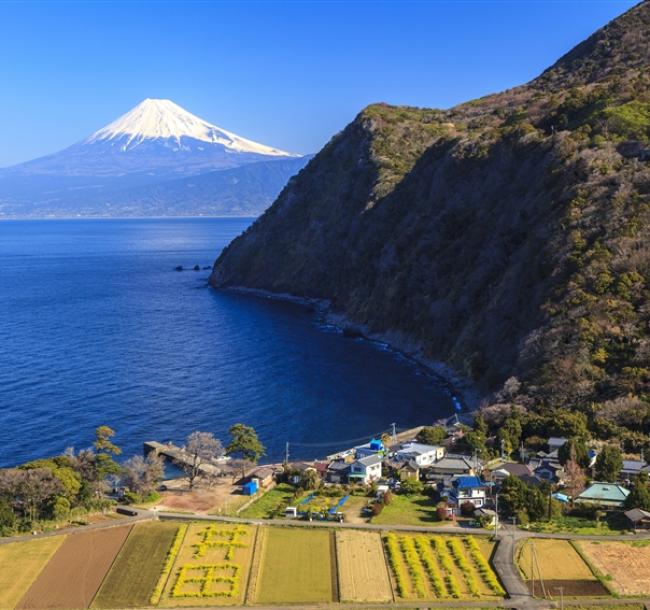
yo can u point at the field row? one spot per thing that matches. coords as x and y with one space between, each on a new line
168 565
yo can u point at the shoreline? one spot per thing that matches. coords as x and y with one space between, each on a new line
460 389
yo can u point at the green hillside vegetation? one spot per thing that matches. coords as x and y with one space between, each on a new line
507 237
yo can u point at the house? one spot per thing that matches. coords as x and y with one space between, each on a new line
423 455
466 488
555 442
453 464
264 476
373 447
547 469
640 519
337 472
298 470
408 469
604 494
512 469
366 469
631 468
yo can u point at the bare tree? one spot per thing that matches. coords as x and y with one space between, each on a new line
574 475
142 475
202 448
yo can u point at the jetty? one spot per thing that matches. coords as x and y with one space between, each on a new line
181 458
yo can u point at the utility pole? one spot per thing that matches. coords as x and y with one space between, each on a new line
394 433
496 516
286 454
561 590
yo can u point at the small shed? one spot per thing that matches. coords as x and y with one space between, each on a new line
640 519
250 488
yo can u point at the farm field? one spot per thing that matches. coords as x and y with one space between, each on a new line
20 564
441 567
296 566
267 505
623 564
211 567
559 565
138 566
363 576
71 578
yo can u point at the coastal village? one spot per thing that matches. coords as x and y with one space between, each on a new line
406 518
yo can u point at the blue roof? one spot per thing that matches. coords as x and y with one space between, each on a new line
466 482
376 444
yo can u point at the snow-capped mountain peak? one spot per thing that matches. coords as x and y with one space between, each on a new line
155 119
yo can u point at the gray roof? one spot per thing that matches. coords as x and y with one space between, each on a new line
455 461
370 460
637 514
417 448
338 466
633 466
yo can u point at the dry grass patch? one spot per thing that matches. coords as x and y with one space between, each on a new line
363 576
296 567
20 564
212 566
625 565
557 560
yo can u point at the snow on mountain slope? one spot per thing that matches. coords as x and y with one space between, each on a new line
155 118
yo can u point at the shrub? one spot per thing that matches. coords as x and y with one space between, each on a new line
467 509
388 498
376 508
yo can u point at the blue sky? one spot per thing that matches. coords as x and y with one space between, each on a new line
289 74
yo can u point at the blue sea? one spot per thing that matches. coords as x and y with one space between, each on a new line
96 327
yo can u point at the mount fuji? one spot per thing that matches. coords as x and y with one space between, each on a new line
157 159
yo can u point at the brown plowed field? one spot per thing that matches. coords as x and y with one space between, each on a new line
71 579
570 588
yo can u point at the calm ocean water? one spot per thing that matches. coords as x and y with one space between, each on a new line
96 327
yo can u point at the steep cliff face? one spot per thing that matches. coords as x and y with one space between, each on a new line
507 236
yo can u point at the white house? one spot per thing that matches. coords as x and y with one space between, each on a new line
366 469
422 455
467 488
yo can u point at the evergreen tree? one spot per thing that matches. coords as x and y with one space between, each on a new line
639 497
609 463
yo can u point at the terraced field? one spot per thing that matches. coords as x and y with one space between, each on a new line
76 570
137 568
212 566
362 572
558 564
440 567
625 565
297 566
20 565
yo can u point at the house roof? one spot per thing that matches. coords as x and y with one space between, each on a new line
418 448
466 482
455 462
262 472
370 460
338 466
516 470
633 466
557 441
607 492
637 514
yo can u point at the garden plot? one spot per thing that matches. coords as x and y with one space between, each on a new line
71 578
441 567
211 567
558 564
297 565
625 565
363 576
20 564
132 578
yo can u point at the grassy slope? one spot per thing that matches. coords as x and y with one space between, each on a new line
20 564
137 568
408 510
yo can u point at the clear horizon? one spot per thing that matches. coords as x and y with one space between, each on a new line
289 75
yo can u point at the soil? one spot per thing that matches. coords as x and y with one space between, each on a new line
72 577
571 588
223 497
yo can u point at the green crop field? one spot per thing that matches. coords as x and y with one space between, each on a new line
296 566
20 564
136 570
